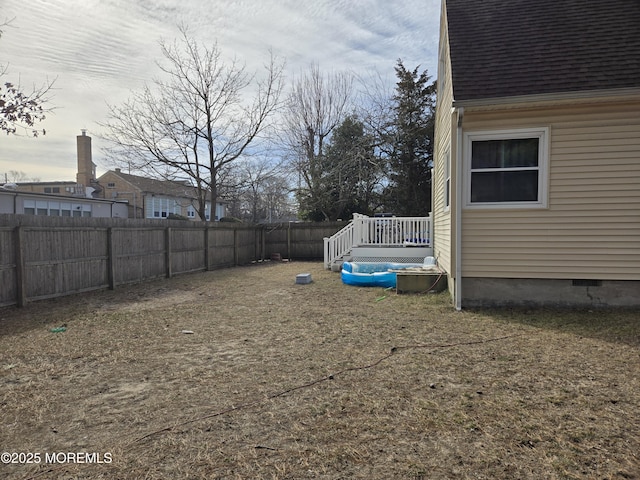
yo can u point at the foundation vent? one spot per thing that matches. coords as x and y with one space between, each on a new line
586 283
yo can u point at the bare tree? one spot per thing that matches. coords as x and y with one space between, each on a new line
316 105
21 108
375 108
264 190
15 176
195 121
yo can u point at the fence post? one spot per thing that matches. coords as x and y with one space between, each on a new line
21 274
289 242
167 245
255 243
111 260
206 248
235 246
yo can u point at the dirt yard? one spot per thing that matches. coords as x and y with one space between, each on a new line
243 374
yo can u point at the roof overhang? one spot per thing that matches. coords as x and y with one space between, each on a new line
550 99
53 196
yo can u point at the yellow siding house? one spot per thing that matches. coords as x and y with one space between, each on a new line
537 152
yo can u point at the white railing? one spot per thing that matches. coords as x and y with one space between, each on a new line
378 231
338 244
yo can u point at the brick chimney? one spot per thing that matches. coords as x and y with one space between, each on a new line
86 167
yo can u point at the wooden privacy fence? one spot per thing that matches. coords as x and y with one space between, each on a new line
45 257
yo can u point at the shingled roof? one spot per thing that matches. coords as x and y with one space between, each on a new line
164 187
507 48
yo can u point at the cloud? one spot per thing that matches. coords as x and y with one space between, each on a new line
101 50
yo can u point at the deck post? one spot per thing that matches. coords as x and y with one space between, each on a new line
325 251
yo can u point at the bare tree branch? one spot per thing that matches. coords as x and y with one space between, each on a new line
21 109
317 103
195 121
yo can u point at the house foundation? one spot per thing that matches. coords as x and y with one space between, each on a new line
501 292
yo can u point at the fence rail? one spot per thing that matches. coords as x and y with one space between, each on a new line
45 257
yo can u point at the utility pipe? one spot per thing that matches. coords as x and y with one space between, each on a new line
457 293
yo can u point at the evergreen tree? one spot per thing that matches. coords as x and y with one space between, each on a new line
349 175
411 144
355 174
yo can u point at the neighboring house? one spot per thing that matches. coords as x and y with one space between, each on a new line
30 203
537 152
142 197
150 198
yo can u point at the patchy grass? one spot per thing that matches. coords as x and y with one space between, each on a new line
286 381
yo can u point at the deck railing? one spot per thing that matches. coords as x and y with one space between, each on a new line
338 244
377 231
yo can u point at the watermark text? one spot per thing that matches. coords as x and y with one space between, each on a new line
27 458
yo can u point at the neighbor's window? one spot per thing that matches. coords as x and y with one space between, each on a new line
42 208
54 209
507 168
65 209
162 207
29 207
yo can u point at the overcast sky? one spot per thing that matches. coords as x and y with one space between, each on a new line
100 50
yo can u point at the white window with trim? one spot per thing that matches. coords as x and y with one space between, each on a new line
42 207
65 209
29 207
162 207
86 210
507 168
56 209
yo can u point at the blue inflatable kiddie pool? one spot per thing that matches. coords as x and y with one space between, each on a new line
366 274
